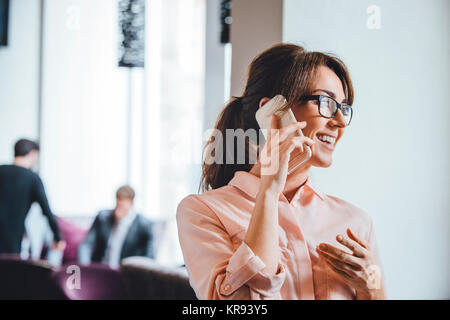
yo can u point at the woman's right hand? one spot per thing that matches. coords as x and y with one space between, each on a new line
273 161
272 167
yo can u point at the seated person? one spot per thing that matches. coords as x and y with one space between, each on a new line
117 234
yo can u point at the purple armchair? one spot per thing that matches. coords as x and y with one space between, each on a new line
97 282
26 279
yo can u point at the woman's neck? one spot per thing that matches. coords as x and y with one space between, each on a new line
294 181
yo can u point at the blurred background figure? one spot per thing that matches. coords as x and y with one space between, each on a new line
118 233
20 187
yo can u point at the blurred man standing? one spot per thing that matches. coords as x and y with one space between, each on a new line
19 188
118 233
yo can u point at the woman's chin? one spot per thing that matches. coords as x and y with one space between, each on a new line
323 161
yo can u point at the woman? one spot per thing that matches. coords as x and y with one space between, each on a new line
253 235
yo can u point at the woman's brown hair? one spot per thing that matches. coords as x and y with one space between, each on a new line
285 69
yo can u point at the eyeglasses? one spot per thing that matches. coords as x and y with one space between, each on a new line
328 107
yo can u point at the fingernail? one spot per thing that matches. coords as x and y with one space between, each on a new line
339 237
322 246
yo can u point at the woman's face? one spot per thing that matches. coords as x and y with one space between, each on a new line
327 83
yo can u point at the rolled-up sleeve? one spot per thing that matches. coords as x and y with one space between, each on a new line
217 270
245 268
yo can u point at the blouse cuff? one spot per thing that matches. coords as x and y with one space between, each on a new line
244 267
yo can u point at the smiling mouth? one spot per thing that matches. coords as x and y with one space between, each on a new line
326 141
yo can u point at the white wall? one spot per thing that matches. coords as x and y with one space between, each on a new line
256 25
19 77
394 158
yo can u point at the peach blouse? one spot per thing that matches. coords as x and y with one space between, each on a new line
212 227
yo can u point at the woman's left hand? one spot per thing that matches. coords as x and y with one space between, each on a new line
359 269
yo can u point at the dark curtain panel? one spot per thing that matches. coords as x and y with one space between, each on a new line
4 12
132 33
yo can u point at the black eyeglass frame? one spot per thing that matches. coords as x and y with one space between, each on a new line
318 97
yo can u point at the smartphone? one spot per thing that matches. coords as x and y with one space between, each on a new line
264 119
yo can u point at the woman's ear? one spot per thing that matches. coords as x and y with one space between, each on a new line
263 101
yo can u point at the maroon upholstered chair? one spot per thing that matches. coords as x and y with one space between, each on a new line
146 279
74 236
26 279
97 282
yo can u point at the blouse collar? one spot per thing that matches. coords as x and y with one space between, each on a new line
249 183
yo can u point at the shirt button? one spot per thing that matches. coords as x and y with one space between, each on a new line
227 288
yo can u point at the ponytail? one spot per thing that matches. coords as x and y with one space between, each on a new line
216 175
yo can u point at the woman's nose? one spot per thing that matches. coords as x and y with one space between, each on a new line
339 120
